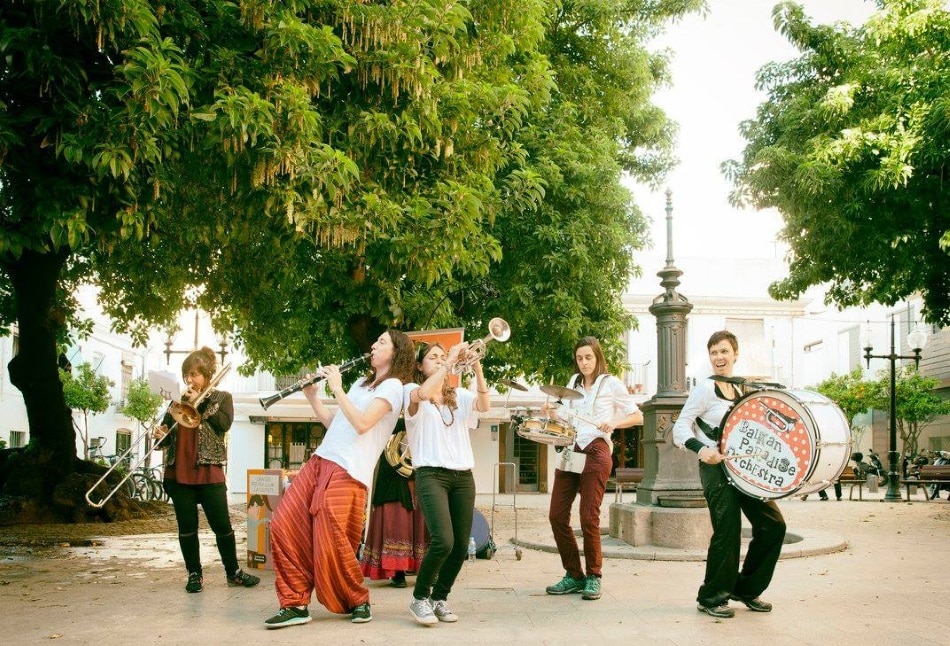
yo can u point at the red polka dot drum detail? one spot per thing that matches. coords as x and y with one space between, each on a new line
784 442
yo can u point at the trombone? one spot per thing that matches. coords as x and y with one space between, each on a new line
185 415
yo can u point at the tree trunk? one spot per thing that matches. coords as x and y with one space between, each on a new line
51 454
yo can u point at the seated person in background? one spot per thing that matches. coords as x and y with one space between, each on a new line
861 468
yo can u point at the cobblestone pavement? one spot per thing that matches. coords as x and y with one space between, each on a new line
122 583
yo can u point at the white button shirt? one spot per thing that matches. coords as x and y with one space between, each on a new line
602 402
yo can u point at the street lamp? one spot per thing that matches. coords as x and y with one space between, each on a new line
916 340
169 341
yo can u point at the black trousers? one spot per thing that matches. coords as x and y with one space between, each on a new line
723 577
447 501
213 498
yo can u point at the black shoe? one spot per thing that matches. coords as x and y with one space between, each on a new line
721 611
289 616
398 581
754 604
361 614
195 582
242 579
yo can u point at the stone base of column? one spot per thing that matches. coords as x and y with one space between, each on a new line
677 527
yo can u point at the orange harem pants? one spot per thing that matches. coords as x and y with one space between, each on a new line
315 534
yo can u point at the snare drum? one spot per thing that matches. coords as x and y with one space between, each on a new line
547 431
794 442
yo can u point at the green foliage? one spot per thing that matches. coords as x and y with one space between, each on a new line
87 392
917 403
851 392
141 404
850 148
314 171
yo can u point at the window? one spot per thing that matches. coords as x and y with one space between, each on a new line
17 439
849 349
753 351
123 440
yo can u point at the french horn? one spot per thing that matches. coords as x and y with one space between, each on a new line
397 453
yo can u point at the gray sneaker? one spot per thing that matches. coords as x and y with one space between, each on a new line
421 609
441 610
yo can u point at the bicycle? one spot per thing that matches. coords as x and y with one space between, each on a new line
148 484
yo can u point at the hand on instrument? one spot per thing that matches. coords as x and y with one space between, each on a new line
333 376
189 395
709 455
159 432
456 353
549 411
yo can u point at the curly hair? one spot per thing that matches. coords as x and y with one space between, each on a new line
403 363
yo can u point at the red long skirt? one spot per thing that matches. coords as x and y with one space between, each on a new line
396 541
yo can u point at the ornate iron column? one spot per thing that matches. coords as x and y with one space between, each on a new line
667 470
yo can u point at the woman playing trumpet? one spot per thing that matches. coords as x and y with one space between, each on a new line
194 474
438 421
317 528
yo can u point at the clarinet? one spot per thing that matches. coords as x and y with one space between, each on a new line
267 402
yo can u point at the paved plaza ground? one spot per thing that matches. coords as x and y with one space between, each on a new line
123 584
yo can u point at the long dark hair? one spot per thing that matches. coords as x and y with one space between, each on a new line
403 363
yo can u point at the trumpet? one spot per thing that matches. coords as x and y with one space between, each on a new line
185 415
498 330
267 402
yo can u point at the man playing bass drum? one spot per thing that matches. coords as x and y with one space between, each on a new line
698 430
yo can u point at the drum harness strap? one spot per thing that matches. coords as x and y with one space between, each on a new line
714 433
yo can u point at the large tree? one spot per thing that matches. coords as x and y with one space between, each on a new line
313 171
851 147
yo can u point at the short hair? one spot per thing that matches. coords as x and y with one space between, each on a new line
723 335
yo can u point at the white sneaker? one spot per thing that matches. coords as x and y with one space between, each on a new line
421 609
441 610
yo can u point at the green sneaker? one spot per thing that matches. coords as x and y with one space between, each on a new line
591 589
567 585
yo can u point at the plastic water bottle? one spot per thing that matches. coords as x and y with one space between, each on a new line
471 549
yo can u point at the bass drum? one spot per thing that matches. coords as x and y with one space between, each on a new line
784 442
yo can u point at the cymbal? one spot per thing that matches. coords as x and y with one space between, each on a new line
514 385
561 392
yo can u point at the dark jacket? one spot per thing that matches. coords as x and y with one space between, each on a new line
217 413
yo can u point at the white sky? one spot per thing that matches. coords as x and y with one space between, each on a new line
713 68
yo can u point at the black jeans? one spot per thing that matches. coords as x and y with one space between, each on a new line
447 501
723 577
213 498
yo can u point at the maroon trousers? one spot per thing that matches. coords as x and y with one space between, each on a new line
591 484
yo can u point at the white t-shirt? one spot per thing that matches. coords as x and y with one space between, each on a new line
439 437
356 453
607 397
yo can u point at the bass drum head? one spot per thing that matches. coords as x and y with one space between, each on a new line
778 443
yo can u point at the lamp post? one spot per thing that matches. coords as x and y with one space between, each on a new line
222 342
916 340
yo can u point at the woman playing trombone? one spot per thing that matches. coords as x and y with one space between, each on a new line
193 470
318 525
